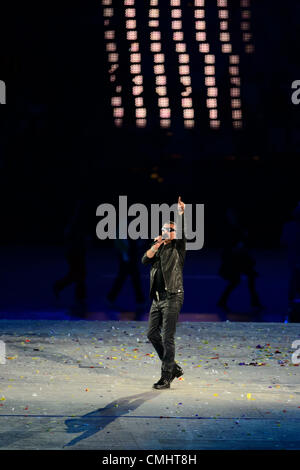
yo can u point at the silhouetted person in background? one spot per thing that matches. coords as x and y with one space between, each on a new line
128 255
291 239
75 254
236 260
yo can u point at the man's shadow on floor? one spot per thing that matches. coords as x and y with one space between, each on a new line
95 421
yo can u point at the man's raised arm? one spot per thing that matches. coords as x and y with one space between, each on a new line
181 239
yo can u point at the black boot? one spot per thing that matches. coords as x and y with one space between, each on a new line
164 381
177 372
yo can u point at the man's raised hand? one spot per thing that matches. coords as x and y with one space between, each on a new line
181 206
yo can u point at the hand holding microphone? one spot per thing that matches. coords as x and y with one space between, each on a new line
158 240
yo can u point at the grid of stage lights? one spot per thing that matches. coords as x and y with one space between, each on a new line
113 63
233 64
206 60
159 65
183 63
209 64
135 63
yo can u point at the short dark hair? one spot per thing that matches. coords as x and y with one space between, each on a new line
170 222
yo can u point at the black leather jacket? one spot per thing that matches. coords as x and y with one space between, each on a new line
172 256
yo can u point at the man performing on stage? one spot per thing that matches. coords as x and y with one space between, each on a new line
166 257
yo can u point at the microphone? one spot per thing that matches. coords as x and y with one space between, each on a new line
156 241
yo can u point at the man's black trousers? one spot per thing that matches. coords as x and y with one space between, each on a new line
163 317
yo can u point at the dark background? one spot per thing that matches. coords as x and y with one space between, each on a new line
58 142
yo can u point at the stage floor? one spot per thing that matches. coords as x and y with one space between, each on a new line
88 385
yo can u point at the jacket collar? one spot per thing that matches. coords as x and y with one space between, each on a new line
168 245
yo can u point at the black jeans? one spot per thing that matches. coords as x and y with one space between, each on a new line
164 315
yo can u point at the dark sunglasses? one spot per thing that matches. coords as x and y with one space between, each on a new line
168 229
